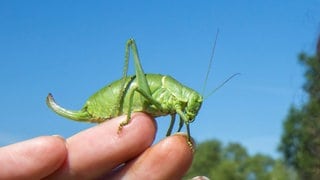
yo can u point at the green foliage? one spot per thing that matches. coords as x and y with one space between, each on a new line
235 152
226 170
282 172
291 139
300 143
208 155
232 162
259 167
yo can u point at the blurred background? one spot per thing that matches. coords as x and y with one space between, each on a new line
74 48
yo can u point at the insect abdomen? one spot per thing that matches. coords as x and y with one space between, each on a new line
104 103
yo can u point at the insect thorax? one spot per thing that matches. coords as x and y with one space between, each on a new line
173 95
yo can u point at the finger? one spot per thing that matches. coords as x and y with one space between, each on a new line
98 150
32 159
169 159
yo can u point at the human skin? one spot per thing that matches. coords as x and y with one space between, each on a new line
100 152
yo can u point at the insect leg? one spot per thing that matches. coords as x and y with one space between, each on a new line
123 123
131 95
142 80
124 77
186 121
140 75
173 119
189 137
180 124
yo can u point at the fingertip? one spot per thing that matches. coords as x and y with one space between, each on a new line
56 146
36 158
52 151
58 143
177 155
59 138
168 159
101 148
180 145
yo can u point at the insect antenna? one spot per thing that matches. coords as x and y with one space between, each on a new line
221 85
209 69
210 63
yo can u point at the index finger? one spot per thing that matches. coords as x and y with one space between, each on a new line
97 150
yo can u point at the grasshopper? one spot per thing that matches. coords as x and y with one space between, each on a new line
155 94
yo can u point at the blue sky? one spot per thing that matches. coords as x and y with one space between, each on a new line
73 48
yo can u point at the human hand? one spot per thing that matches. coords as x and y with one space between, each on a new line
97 152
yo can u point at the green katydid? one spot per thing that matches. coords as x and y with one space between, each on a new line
155 94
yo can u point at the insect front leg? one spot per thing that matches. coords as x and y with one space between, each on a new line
173 119
180 124
189 137
186 121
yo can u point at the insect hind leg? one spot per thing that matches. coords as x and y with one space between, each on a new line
131 98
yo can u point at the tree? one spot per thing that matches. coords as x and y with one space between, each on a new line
227 170
290 141
207 156
300 142
282 172
259 167
235 152
233 162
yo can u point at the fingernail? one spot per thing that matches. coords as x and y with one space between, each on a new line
191 143
59 136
